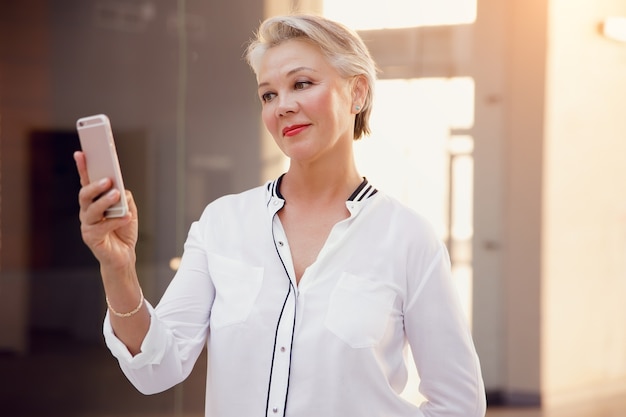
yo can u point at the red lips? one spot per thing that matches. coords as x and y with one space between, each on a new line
294 129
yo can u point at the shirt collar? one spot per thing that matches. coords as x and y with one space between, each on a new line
356 200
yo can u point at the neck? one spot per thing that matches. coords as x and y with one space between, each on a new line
313 182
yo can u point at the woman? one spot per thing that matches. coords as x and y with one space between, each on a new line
307 290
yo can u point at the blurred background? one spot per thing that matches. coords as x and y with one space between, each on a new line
501 120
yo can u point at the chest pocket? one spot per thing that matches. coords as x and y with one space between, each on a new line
237 286
359 310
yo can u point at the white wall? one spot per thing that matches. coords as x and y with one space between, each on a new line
584 205
509 61
550 222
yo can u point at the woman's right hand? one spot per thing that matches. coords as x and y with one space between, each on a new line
111 240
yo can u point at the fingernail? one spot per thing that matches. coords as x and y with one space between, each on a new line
103 181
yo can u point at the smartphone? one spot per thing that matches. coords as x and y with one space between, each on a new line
96 141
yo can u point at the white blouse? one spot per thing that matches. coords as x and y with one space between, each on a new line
332 345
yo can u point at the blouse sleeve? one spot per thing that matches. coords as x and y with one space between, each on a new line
178 325
442 346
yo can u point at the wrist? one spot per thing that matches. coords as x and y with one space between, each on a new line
122 289
129 313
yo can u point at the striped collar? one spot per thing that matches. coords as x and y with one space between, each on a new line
364 191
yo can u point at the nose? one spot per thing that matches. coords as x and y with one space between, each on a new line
286 104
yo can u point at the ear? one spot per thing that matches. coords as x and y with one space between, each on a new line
360 87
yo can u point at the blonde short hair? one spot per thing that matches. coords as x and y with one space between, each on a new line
343 47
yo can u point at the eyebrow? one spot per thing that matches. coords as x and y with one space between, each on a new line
289 73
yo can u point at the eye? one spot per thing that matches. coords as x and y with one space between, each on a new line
267 97
301 85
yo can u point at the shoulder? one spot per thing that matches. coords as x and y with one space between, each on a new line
401 229
231 215
248 199
234 210
399 215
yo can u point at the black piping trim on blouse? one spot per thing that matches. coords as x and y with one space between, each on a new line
277 183
269 385
274 185
363 191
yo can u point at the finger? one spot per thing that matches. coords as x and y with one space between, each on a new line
96 234
94 201
115 222
91 192
81 166
132 207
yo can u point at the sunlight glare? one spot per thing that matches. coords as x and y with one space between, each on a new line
411 122
369 14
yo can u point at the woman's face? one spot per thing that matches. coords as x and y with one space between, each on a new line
307 105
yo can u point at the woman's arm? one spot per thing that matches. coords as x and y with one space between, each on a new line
178 326
112 241
442 346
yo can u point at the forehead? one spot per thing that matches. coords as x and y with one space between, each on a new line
282 59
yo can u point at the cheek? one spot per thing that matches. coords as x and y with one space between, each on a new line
269 120
333 101
321 100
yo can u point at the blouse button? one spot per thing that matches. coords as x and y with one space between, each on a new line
280 243
282 349
274 410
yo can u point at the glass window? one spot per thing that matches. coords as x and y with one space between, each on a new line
400 13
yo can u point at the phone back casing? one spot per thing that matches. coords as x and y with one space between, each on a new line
96 141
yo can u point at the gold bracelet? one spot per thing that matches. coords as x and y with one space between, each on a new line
130 313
